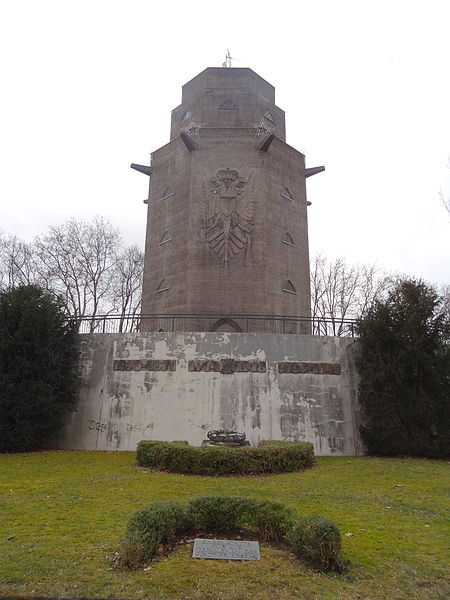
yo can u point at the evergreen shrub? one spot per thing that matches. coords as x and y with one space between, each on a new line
273 520
403 361
228 514
222 514
38 364
314 537
317 539
279 457
157 524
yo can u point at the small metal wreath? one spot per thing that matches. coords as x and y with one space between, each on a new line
226 435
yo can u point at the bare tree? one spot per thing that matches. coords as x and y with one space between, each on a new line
85 264
78 261
341 292
18 265
127 287
373 285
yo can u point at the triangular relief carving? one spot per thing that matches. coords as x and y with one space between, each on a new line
168 192
286 193
163 286
287 239
288 287
165 238
270 117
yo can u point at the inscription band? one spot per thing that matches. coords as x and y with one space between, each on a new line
227 366
315 368
144 365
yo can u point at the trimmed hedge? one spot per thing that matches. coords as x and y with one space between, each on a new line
317 539
157 524
268 457
163 523
227 514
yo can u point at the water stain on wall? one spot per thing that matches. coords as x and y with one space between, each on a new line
182 404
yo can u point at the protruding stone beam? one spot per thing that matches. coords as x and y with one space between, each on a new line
266 143
314 171
188 141
142 169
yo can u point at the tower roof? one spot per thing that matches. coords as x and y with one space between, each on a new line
242 79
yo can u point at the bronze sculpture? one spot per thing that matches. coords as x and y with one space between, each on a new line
226 436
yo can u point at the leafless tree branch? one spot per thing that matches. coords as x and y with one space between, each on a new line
340 291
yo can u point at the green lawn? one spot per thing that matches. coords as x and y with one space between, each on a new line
63 513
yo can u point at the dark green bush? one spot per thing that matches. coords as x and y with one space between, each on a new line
314 537
273 520
38 368
268 457
220 513
403 360
157 524
317 539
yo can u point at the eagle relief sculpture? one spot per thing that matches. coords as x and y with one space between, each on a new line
228 214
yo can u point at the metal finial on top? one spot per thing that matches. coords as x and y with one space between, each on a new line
228 60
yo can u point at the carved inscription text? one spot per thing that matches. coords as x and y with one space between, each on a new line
144 365
227 366
309 367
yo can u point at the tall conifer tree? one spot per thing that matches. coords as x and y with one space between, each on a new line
404 365
38 356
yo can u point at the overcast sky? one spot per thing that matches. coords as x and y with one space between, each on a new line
87 88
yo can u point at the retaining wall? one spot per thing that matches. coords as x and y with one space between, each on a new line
178 386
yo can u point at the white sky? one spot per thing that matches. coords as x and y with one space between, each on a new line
87 88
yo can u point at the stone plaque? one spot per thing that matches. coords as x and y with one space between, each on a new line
227 366
225 549
144 365
309 367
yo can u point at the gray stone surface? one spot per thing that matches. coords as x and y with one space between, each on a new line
225 549
226 253
118 408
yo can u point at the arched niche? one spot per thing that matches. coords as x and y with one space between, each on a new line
226 325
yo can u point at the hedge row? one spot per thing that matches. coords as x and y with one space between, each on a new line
312 537
268 457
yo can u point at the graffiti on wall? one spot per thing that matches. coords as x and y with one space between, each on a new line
109 426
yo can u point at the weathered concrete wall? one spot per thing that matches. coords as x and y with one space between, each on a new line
177 386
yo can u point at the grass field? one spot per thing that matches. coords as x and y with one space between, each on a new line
63 513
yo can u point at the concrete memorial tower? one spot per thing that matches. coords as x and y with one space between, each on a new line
227 234
226 264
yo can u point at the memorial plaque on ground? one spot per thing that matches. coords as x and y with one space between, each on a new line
225 549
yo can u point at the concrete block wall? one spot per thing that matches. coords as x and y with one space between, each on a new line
178 386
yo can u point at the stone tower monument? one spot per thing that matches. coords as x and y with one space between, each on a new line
227 233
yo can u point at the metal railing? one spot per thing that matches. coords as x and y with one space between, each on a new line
240 323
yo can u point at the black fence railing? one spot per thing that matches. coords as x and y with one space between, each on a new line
325 326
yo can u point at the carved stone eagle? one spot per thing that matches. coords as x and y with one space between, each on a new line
228 214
